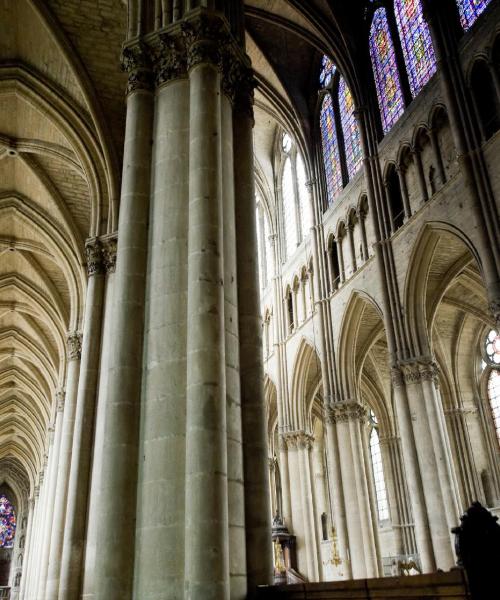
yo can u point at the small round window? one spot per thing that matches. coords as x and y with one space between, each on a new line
492 347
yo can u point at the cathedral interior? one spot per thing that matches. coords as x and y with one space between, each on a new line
249 292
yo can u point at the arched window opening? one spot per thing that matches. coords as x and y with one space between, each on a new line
289 215
263 244
327 71
7 523
378 470
385 70
350 129
470 10
304 203
395 199
334 266
290 310
416 42
331 157
486 99
492 358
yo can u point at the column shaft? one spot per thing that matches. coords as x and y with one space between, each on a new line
206 547
116 509
83 437
56 538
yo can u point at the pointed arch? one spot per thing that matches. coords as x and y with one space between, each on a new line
305 385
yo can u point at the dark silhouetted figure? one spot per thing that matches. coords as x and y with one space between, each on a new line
477 544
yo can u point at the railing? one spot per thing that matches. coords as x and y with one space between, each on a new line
451 585
5 593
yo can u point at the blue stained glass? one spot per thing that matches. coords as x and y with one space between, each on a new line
390 96
330 145
327 71
350 129
416 43
7 523
470 11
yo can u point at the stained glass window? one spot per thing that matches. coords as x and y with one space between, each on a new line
416 41
352 138
327 72
470 11
7 523
378 471
390 96
494 398
331 156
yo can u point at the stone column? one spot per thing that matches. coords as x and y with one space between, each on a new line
432 465
362 223
206 544
348 416
93 537
116 509
257 508
437 155
304 445
159 552
285 483
27 549
83 435
54 460
60 498
413 473
33 550
336 487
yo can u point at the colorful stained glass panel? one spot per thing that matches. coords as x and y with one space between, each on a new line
350 129
390 96
416 42
470 10
494 398
7 523
327 71
331 156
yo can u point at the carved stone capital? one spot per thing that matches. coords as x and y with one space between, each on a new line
204 37
494 307
420 370
74 345
60 397
349 410
36 492
169 59
94 256
109 245
397 378
136 61
305 441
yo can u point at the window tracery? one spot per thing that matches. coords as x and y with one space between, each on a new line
387 81
470 10
416 43
492 356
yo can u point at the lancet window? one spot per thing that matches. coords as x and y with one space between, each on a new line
470 10
416 43
340 134
378 470
297 216
264 244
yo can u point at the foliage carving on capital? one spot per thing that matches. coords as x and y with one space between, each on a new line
397 377
136 61
74 346
305 441
109 254
349 410
204 37
36 492
495 310
94 256
420 370
170 59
